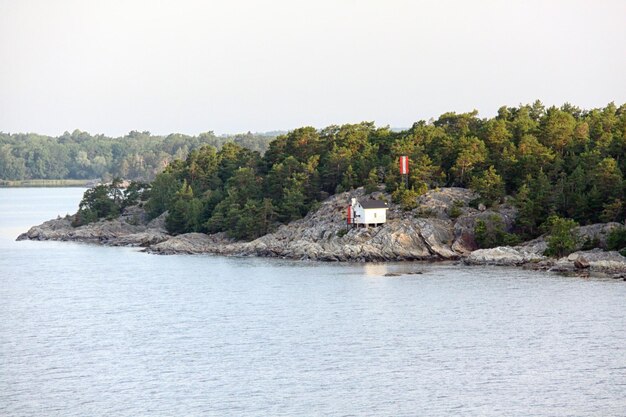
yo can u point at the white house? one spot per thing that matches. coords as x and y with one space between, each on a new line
369 212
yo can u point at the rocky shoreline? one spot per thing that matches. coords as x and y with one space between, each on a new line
440 228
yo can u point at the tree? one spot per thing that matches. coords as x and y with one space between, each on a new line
98 202
472 152
407 198
293 205
562 237
489 185
557 129
185 215
162 194
372 182
135 193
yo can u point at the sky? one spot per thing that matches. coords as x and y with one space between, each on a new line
251 65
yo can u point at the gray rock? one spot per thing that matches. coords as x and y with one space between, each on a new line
594 233
127 230
598 261
581 263
323 235
438 203
502 255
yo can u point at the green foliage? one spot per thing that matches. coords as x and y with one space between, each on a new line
562 239
492 233
162 194
407 198
79 155
372 181
456 209
489 185
185 212
135 193
614 211
562 161
106 201
98 202
616 240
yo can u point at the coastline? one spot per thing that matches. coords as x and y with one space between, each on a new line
34 183
322 236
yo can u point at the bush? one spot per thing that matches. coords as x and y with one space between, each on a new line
563 239
590 243
101 201
492 233
616 240
407 198
455 211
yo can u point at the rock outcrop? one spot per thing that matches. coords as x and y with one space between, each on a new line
324 235
596 260
127 230
440 228
503 255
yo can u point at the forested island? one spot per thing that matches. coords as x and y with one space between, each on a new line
137 156
550 169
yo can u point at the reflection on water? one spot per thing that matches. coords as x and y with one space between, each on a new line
375 269
88 330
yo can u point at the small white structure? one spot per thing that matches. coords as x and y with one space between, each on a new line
368 212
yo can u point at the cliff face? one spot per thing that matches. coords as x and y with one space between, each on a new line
426 233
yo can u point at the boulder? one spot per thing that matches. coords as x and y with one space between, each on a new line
581 263
596 260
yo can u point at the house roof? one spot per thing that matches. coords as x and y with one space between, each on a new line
373 204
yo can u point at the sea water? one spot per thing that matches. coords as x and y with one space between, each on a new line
88 330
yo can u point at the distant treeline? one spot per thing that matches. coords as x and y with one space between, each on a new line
79 155
563 162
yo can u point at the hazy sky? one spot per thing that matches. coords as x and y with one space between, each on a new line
231 66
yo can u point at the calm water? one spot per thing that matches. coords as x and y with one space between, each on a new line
89 331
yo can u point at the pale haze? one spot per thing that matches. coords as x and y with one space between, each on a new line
234 66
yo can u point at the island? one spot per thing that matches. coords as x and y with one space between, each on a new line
533 186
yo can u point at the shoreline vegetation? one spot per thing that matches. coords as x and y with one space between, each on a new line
35 183
528 173
322 235
136 156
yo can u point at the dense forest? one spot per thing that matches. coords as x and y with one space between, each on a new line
79 155
563 163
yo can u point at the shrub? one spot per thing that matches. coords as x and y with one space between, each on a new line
616 240
563 238
590 243
492 233
455 211
407 198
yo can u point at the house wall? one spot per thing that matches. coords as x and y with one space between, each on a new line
369 216
375 216
359 214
